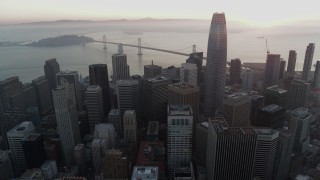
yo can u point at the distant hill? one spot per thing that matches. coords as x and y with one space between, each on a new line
65 40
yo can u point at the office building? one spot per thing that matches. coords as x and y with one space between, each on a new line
215 73
49 169
282 68
292 62
98 149
15 136
200 152
272 70
184 173
98 74
94 103
228 149
114 118
6 168
185 94
115 165
44 100
107 132
33 150
67 120
298 94
236 110
308 62
120 68
152 70
80 158
29 95
155 99
276 95
51 68
180 123
300 127
257 102
145 172
189 74
130 126
197 58
247 79
72 78
9 88
316 77
152 131
265 157
235 71
272 116
172 73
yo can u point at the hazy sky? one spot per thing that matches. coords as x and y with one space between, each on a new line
253 12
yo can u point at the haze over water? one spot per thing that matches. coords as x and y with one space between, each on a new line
27 62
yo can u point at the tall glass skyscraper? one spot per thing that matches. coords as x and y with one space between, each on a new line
215 73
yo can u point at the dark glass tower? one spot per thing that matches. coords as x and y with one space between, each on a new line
215 73
51 68
308 61
292 62
272 69
235 71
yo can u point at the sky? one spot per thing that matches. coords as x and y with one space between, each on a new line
253 12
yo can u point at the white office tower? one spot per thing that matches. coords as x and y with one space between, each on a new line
145 173
15 136
67 121
267 141
99 147
300 126
247 79
130 126
120 67
128 95
180 120
189 73
107 132
94 103
49 169
6 169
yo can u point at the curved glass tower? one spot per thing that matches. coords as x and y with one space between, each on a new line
215 73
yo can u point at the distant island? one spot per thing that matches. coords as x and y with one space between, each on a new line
65 40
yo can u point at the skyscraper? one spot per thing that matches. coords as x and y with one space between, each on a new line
72 78
29 96
8 89
272 69
98 74
98 149
180 121
200 152
298 94
44 100
114 118
316 77
51 68
152 70
230 151
215 73
6 168
106 132
67 121
80 158
292 62
130 126
197 58
94 106
115 165
189 73
120 67
33 150
282 68
247 80
308 61
235 71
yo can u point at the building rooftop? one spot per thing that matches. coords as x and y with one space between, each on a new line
32 137
93 88
67 72
301 113
145 173
9 79
237 97
114 112
276 89
220 126
157 79
272 108
179 110
266 133
21 129
127 82
183 86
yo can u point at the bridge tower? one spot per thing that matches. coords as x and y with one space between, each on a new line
194 48
139 47
104 42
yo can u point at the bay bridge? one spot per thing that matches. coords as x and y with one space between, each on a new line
140 47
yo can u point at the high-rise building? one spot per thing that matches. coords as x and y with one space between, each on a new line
172 73
236 110
200 152
276 95
120 68
267 141
80 158
180 123
185 94
228 149
307 61
6 168
298 94
72 78
272 116
67 120
107 132
300 127
98 149
130 126
51 68
152 70
114 118
145 172
156 99
94 103
247 80
49 169
29 96
235 71
98 74
9 88
197 58
115 165
215 73
282 68
33 150
15 136
316 77
292 62
257 102
128 92
189 73
272 69
44 100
